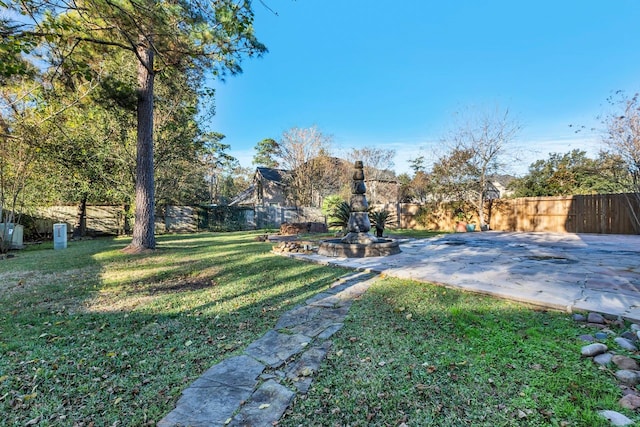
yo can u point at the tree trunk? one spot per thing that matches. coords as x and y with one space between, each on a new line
483 184
126 227
80 229
144 224
481 210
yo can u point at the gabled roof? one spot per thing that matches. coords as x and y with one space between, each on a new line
275 175
243 197
503 180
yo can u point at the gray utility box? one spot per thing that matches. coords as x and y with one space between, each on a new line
60 236
12 233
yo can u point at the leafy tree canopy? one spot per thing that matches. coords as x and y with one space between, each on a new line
267 153
161 36
570 174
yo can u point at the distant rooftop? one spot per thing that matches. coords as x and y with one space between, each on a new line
275 175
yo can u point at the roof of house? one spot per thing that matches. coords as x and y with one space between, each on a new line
275 175
380 175
503 180
243 197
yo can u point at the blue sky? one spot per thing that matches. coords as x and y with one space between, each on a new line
392 74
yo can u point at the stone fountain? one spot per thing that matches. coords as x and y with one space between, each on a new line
358 242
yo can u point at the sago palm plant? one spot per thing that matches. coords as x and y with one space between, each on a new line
380 219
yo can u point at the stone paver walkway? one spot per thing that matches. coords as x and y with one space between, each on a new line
255 388
562 271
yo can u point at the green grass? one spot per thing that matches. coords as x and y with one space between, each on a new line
413 233
429 356
92 336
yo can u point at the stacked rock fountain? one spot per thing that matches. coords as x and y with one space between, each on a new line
359 224
358 242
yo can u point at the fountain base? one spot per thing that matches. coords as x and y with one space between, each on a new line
361 238
340 248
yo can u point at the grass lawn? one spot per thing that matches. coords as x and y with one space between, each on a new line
90 336
413 233
429 356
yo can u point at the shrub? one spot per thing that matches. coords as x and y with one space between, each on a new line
330 204
380 219
340 216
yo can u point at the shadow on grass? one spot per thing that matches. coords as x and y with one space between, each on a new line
92 335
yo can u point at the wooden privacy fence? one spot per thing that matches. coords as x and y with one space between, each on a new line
599 213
